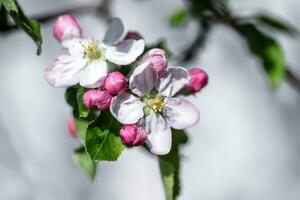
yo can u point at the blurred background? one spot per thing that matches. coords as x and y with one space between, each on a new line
245 147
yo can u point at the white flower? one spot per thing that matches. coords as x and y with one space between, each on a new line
153 106
86 62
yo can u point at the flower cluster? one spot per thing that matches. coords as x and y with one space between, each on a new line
137 87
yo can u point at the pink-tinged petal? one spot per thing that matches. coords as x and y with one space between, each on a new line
133 35
114 31
159 139
172 81
180 113
143 79
158 57
94 74
126 108
125 52
75 46
64 71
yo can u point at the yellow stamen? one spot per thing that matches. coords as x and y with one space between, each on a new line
92 51
156 104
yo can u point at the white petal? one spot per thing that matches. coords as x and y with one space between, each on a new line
126 52
143 79
159 139
114 31
64 71
75 46
180 113
127 108
172 81
94 74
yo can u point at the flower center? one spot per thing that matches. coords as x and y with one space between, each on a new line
156 104
92 51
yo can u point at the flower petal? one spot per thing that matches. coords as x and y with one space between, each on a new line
180 113
143 79
159 139
127 108
126 52
172 81
114 31
75 46
64 71
94 74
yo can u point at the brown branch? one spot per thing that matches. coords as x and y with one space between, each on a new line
223 15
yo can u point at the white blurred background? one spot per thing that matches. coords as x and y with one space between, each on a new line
246 146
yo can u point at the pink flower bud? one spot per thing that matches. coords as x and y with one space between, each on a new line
104 100
133 35
115 82
132 135
71 128
97 98
158 57
90 98
198 80
66 27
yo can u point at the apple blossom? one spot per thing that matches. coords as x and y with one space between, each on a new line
115 82
198 80
66 27
86 61
152 105
132 135
158 57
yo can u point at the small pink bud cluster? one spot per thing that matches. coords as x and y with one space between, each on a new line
158 58
97 99
71 128
115 82
66 27
198 80
132 135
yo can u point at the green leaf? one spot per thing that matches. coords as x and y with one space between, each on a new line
3 18
102 141
83 160
31 27
267 50
276 24
178 17
170 165
71 99
81 128
83 111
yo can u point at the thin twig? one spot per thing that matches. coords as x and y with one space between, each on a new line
198 43
293 78
222 15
